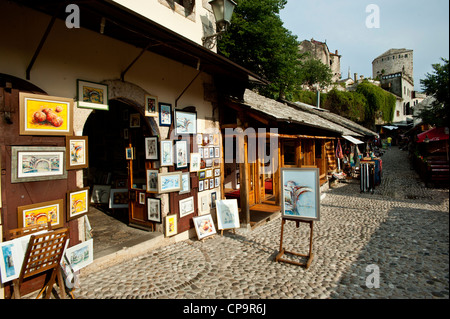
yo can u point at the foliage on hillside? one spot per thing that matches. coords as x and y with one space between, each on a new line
379 101
360 106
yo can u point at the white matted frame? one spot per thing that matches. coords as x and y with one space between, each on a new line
300 193
92 95
185 122
166 150
151 148
154 209
169 182
81 255
186 206
227 214
204 226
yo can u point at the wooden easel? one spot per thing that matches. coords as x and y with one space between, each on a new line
44 254
231 229
310 255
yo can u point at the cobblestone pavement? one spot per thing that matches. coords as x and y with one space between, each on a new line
402 231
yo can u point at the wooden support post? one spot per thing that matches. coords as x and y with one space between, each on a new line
310 254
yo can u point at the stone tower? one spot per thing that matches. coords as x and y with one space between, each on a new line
394 61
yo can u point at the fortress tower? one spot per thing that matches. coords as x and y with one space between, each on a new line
394 61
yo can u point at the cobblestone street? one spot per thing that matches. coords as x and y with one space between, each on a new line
402 230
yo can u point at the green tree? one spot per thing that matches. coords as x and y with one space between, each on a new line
258 41
313 72
437 85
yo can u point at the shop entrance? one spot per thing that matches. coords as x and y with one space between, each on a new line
121 180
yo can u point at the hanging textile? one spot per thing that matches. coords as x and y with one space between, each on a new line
331 159
339 153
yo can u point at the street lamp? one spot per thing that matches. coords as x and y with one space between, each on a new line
223 10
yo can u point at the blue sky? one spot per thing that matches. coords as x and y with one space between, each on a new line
422 26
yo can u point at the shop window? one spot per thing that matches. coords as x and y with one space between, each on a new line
289 153
318 149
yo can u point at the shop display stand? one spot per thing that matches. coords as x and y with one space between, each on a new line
310 254
44 254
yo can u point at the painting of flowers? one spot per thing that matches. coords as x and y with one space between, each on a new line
300 193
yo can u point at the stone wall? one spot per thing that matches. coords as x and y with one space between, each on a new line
394 61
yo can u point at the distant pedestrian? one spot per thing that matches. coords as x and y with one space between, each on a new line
389 141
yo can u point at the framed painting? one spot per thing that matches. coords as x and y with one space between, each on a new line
216 181
81 255
100 194
300 196
142 198
129 153
165 114
195 162
227 214
135 120
36 163
152 181
171 225
45 115
181 154
92 95
41 213
186 206
151 148
76 152
166 153
169 182
154 209
77 203
118 198
185 122
151 105
185 183
200 186
204 226
11 259
199 139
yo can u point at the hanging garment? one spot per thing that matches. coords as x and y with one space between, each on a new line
339 153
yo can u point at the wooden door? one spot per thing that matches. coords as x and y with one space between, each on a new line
308 153
137 205
252 181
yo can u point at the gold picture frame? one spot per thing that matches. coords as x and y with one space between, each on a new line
40 213
45 115
77 152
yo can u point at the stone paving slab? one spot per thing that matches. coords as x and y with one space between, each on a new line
400 231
